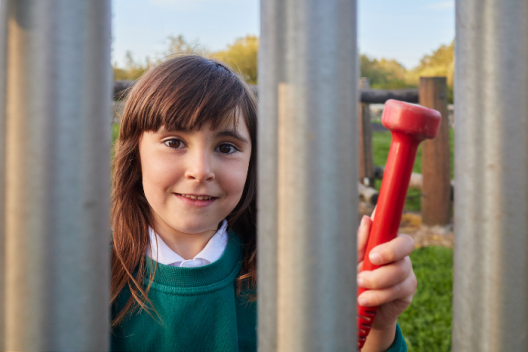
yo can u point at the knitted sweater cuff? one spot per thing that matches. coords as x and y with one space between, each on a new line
399 344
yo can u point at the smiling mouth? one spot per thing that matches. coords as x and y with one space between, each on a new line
190 196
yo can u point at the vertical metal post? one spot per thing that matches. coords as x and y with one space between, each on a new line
3 81
308 142
490 308
57 180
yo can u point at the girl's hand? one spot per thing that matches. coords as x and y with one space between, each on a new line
391 287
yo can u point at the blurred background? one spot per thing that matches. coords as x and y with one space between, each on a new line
399 41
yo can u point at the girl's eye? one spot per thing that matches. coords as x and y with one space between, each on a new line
174 143
227 148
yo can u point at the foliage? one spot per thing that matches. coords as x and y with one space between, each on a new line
426 324
115 132
390 74
179 46
242 57
133 69
383 73
441 63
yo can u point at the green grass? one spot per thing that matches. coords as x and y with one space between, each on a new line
381 144
426 324
115 132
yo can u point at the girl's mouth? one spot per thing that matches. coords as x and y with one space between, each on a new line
196 200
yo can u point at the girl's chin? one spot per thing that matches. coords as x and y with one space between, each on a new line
197 229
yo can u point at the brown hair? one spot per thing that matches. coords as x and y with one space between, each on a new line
182 93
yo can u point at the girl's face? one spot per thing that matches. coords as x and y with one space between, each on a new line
194 179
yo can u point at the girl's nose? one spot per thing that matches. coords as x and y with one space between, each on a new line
199 168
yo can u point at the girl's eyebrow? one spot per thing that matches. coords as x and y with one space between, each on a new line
232 133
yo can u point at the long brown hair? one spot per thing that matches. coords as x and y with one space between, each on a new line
182 93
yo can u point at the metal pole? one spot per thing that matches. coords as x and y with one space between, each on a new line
57 182
308 142
3 81
490 308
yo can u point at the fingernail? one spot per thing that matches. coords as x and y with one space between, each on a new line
363 220
362 302
375 258
360 282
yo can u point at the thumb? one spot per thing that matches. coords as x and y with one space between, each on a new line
362 237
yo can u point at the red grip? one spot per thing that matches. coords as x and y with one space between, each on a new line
409 124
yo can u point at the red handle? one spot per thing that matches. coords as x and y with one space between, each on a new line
409 125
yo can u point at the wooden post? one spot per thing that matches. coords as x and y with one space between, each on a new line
436 168
366 163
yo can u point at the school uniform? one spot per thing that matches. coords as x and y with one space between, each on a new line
197 303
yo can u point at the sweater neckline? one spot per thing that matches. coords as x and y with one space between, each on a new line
213 250
198 277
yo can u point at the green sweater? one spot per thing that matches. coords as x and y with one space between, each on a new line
199 311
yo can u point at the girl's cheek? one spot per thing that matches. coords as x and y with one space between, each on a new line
235 176
158 178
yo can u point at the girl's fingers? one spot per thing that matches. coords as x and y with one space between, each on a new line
404 291
392 251
359 266
362 236
386 276
373 213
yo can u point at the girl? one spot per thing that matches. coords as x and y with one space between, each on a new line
183 214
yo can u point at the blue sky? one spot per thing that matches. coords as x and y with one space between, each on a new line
404 30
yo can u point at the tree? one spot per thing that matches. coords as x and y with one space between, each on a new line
242 57
132 70
383 73
440 63
179 46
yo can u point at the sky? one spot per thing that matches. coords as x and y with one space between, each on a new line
404 30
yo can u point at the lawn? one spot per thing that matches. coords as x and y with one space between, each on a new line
426 324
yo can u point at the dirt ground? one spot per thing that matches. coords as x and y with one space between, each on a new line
411 224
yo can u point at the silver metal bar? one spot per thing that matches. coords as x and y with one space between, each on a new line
57 181
3 82
490 308
307 175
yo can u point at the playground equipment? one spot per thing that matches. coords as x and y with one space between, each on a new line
54 175
435 181
56 145
307 175
490 296
410 124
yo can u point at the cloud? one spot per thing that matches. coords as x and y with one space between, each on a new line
441 5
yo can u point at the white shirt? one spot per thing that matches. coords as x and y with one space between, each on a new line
212 251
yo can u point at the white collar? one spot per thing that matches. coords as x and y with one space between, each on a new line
211 252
